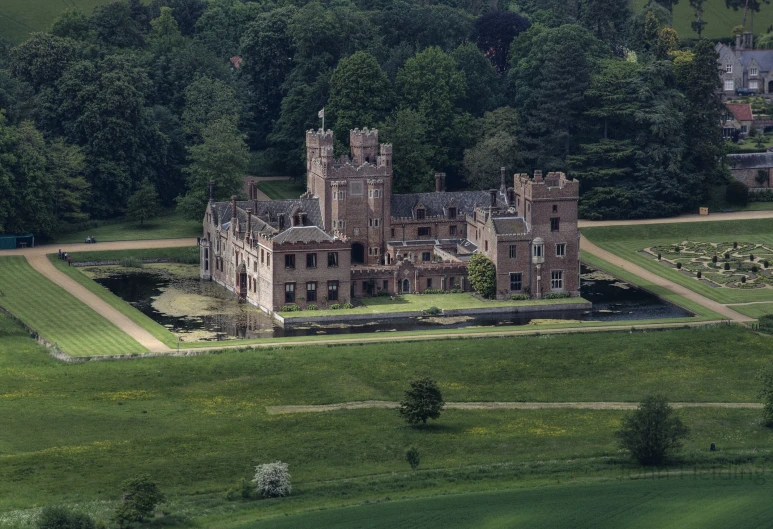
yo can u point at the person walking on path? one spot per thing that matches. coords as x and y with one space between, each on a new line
69 261
60 254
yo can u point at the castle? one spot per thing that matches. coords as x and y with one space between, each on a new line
348 236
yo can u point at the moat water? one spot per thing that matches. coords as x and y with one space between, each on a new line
195 310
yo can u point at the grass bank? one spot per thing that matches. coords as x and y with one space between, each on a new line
57 315
165 227
627 241
184 254
282 189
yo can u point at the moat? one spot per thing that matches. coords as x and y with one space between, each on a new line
197 310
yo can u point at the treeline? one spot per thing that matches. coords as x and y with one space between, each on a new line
178 92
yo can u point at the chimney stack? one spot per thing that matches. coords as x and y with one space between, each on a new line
443 178
438 180
233 206
538 175
249 221
502 186
211 191
493 193
281 221
738 45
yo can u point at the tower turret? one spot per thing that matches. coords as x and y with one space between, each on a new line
364 145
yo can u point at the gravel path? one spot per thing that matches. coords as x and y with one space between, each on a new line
369 404
714 217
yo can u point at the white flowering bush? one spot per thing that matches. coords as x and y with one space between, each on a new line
272 480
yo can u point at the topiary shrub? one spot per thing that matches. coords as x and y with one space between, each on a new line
751 257
412 456
660 256
743 279
727 255
700 274
766 264
556 295
755 269
678 266
727 266
291 308
483 275
272 480
737 193
714 259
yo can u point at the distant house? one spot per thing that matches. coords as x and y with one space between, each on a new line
753 169
236 61
739 118
744 69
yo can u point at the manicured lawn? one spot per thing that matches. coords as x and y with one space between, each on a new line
73 432
57 315
721 20
156 329
664 502
759 206
627 241
754 311
419 302
282 189
166 227
183 254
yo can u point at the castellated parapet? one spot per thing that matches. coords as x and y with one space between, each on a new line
555 186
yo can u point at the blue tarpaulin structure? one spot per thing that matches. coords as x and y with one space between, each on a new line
9 242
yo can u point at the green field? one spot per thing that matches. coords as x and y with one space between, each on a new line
57 315
282 189
73 432
665 502
183 254
166 227
720 20
627 241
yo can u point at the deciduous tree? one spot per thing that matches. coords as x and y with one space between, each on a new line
143 204
482 275
652 431
422 401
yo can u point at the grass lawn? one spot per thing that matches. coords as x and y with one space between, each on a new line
627 241
754 311
759 206
57 315
282 189
418 302
666 503
156 329
183 254
166 227
720 19
73 432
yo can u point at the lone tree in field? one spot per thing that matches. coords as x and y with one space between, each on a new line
423 401
483 275
766 394
140 499
413 458
651 431
272 480
143 204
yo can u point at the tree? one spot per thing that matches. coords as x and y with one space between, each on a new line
224 23
483 86
606 19
143 204
71 24
360 94
668 4
698 24
60 518
413 458
186 12
66 164
737 193
494 32
407 132
766 394
140 499
652 431
206 101
497 148
221 157
483 275
115 24
272 480
42 59
422 401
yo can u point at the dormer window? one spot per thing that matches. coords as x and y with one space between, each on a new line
451 213
421 214
753 72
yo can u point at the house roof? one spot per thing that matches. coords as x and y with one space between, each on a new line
302 234
763 58
757 160
509 225
741 112
436 203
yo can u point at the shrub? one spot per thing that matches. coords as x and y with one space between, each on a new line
714 259
743 279
660 256
272 480
699 274
412 456
519 297
766 395
727 256
755 269
737 193
348 306
678 266
651 431
141 497
383 293
291 308
312 307
727 266
131 262
735 246
482 275
242 490
556 295
60 518
433 311
751 257
766 264
422 401
335 306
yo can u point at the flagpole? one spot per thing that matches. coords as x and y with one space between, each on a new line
323 119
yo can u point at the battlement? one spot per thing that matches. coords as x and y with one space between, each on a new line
318 138
386 149
553 186
363 138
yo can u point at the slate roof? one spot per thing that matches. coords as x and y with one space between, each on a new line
763 58
402 205
758 160
302 234
509 225
266 219
741 112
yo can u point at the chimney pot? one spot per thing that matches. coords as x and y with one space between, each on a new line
233 206
211 190
493 194
438 180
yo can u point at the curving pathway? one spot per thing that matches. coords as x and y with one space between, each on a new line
714 217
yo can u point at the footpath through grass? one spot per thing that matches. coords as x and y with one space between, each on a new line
627 241
73 432
57 315
166 227
282 189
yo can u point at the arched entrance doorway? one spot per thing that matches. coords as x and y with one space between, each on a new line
358 253
406 286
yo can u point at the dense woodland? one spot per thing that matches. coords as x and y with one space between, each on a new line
145 100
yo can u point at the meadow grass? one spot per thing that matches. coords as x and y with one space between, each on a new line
627 241
282 189
420 302
720 19
73 432
165 227
57 315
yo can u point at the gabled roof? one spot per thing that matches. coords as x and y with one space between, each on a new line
434 203
741 112
757 160
763 58
302 234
